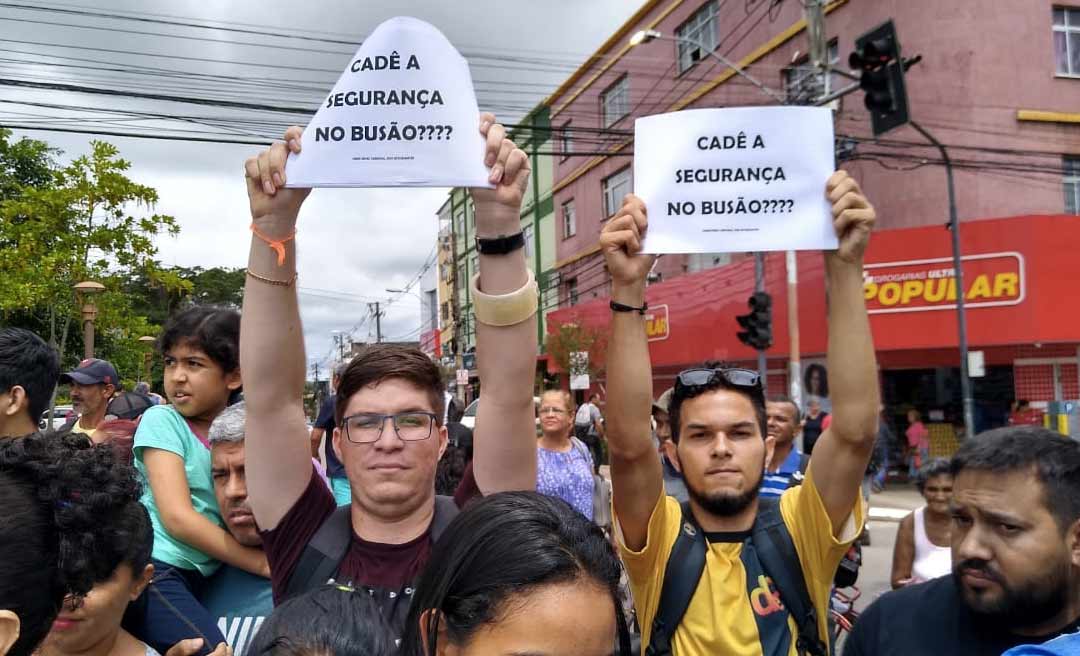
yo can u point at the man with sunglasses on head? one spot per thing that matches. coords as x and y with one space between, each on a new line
729 572
388 426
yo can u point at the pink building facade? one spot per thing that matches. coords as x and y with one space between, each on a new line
999 83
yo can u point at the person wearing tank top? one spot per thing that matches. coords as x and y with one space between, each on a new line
922 550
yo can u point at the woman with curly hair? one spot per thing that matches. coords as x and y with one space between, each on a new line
62 503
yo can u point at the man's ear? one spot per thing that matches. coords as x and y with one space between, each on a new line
335 442
9 630
1072 543
444 440
16 401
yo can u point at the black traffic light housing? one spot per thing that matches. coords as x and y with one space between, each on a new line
877 56
757 325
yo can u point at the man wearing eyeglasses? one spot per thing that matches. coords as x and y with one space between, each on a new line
388 417
718 424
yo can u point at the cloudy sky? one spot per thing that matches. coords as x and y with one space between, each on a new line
354 244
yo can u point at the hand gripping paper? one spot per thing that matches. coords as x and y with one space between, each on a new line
403 114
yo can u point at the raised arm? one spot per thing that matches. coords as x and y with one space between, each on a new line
505 436
272 342
843 451
636 477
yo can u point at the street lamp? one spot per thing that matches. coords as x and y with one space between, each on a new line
84 292
645 36
147 341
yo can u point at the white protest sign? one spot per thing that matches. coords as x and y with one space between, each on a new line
736 180
403 114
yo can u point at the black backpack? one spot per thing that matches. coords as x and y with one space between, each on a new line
778 557
323 554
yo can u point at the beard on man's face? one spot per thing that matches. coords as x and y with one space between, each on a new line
1029 604
725 503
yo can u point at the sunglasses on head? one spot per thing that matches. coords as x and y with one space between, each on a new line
691 379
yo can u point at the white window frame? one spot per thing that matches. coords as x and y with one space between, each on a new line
1067 28
701 27
615 101
569 219
572 291
1071 183
611 185
566 141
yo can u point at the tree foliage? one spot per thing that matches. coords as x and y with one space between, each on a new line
573 337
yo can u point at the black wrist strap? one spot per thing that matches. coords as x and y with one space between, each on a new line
619 307
500 245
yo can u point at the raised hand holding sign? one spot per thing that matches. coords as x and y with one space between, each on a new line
402 114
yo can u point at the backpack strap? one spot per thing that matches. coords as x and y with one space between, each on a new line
322 555
445 511
776 552
681 578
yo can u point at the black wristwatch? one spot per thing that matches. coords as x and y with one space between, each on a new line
500 245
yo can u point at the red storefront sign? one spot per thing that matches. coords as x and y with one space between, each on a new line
1020 278
656 323
431 343
990 280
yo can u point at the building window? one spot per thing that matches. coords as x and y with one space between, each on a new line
569 220
615 101
529 235
1067 41
802 83
474 264
615 188
571 291
1072 185
566 142
699 28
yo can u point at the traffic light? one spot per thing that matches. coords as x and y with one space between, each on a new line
877 55
757 325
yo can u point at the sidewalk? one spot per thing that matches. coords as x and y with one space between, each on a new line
895 502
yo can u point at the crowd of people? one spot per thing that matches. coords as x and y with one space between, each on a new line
208 524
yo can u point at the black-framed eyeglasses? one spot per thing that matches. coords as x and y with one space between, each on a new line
690 379
367 427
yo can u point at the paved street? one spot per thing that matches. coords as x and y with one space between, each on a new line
886 509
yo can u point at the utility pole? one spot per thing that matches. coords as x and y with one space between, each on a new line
759 286
378 321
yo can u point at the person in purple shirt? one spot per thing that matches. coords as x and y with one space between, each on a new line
564 466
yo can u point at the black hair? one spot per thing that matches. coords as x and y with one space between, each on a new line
783 398
1053 458
328 621
935 467
823 376
213 330
133 538
27 361
62 501
681 394
505 545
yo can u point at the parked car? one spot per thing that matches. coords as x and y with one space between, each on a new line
59 418
468 420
